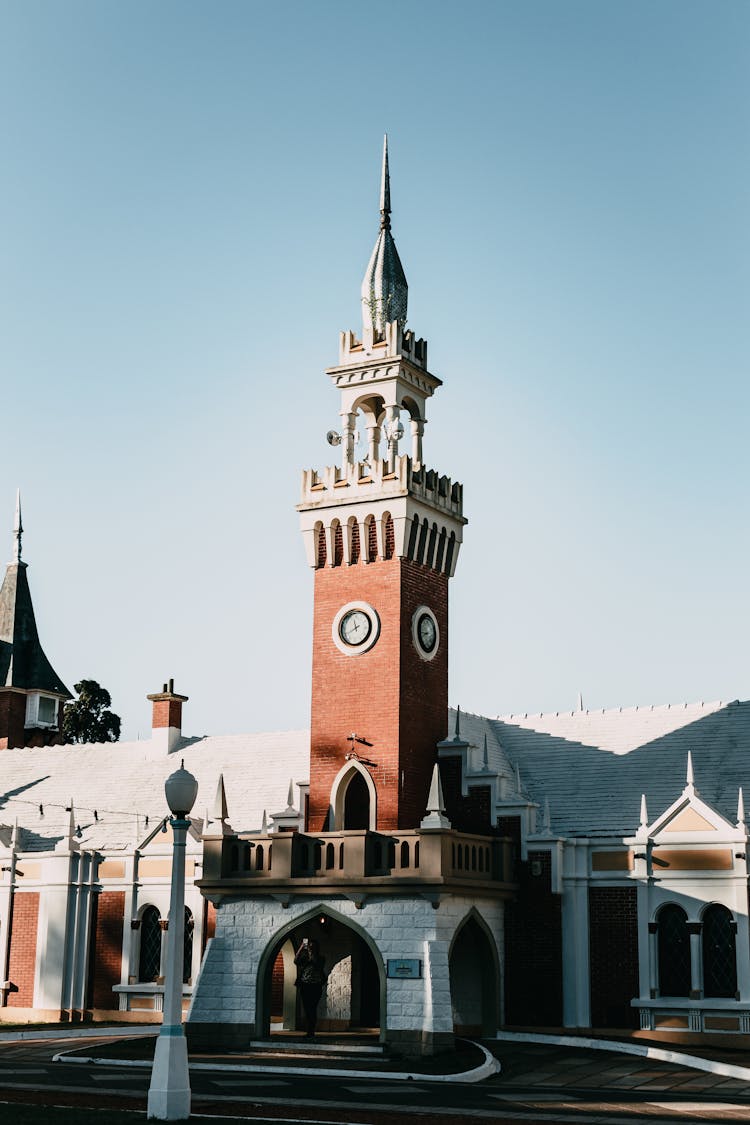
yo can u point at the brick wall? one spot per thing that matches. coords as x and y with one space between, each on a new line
387 695
22 961
107 947
613 937
12 718
533 948
277 986
471 813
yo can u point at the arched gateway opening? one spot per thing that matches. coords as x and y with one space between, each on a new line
353 1000
475 979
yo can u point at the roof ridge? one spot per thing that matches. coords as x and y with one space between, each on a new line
646 707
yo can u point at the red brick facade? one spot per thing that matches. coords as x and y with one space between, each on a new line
533 948
613 943
23 930
388 695
106 951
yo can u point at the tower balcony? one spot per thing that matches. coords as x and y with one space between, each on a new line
357 863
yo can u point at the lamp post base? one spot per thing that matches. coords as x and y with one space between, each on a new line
169 1092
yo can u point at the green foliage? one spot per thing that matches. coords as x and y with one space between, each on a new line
88 718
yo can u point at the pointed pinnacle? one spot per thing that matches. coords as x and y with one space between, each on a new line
690 779
457 731
220 800
290 795
385 189
740 809
644 811
264 823
17 529
485 759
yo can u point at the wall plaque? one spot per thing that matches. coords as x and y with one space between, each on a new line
407 968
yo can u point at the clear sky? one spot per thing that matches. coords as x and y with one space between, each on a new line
188 200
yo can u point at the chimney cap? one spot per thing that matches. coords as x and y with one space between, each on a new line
167 692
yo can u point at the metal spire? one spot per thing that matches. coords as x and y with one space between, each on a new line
17 529
385 292
385 190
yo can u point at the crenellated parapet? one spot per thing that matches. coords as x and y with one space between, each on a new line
362 512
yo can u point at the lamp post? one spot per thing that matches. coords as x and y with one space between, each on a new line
169 1092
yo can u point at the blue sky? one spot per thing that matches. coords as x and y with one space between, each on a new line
187 204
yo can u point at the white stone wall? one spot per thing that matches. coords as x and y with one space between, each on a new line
399 928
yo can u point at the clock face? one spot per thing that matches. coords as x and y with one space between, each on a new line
355 627
427 632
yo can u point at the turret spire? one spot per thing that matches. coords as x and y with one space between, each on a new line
17 529
385 190
384 289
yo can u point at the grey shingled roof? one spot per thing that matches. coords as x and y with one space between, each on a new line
594 765
22 660
122 779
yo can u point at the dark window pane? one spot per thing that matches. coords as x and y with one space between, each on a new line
674 952
719 960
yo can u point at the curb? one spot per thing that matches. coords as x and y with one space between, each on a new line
486 1069
662 1054
76 1033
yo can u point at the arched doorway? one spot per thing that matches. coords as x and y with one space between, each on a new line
357 803
474 979
354 996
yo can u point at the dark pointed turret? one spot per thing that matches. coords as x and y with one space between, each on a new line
30 690
384 289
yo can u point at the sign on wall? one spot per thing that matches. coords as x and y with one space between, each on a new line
404 967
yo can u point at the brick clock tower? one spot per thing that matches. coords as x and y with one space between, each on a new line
383 533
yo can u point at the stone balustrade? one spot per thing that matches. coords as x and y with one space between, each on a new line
356 858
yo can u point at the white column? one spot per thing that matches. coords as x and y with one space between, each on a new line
742 955
417 432
169 1092
392 415
347 443
373 444
696 961
653 960
575 936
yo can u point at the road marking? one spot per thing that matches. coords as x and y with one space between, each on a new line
118 1078
240 1081
17 1071
699 1107
386 1088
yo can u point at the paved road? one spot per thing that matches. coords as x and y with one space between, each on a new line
538 1084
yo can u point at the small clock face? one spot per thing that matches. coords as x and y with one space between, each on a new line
427 632
355 627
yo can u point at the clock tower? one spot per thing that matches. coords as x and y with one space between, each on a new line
382 532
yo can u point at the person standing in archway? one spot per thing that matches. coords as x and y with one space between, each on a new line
310 981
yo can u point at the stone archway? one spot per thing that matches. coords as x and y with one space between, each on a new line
474 969
354 999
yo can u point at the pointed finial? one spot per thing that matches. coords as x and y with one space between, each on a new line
435 817
457 731
547 822
518 779
740 810
290 794
17 529
220 800
690 783
385 190
264 823
580 701
644 812
485 757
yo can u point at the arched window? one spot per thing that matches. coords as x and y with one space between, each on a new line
674 952
322 551
354 549
372 540
719 958
149 957
357 803
404 853
390 538
329 857
338 544
423 533
187 947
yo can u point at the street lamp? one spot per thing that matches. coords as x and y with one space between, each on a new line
169 1092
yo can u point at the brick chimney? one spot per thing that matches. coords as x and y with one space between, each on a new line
166 722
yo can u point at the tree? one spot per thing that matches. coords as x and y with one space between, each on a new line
87 719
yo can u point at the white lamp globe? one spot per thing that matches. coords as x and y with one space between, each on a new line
181 789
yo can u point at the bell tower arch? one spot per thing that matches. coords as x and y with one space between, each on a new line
382 532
